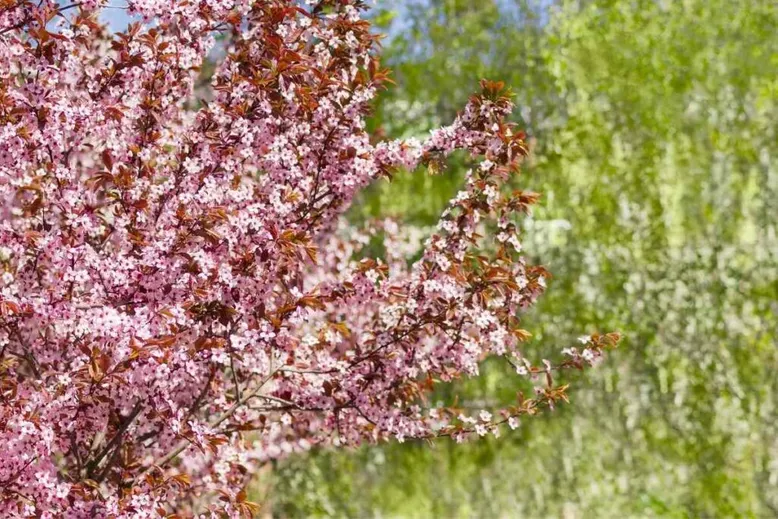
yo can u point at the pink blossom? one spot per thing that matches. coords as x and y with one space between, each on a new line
179 296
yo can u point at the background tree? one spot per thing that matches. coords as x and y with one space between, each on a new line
656 129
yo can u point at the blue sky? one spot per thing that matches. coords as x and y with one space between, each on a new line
116 17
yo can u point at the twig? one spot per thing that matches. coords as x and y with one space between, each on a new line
27 352
184 444
91 466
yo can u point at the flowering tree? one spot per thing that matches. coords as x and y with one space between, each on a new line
181 296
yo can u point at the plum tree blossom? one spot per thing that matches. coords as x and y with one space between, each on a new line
182 298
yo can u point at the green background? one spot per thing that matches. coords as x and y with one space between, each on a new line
655 147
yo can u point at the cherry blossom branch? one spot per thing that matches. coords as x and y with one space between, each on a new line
182 446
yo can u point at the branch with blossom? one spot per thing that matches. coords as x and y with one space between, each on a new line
180 300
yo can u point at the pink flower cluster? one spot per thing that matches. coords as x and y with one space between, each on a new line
181 297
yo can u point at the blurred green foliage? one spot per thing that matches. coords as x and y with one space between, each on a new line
657 157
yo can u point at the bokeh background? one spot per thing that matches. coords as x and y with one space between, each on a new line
655 147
